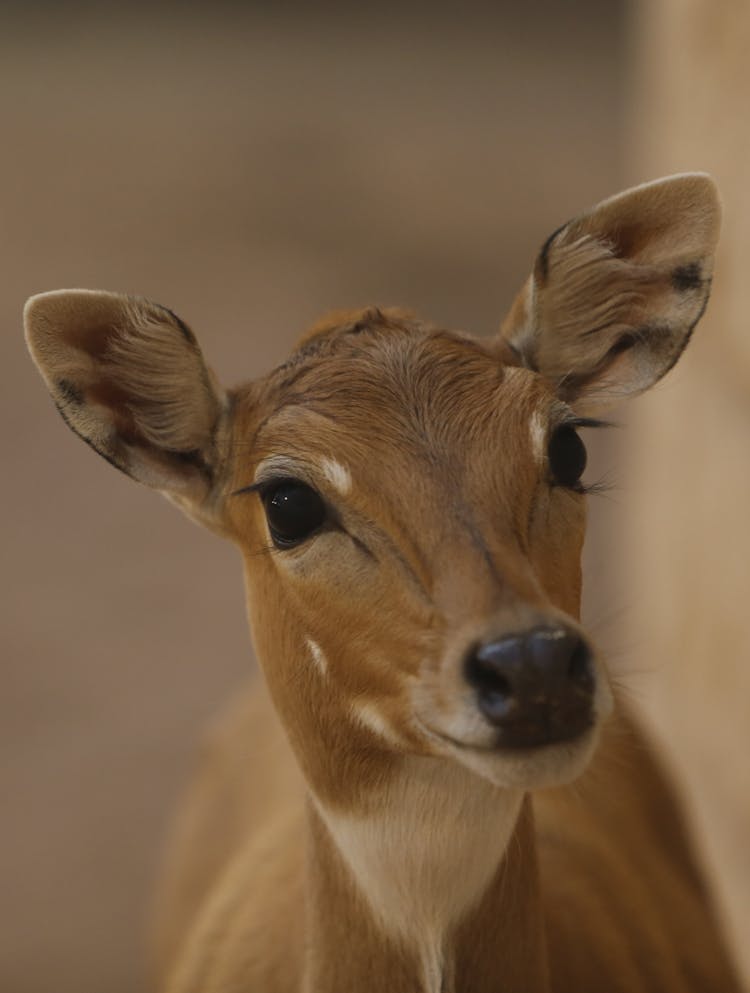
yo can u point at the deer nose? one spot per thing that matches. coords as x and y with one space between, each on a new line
537 687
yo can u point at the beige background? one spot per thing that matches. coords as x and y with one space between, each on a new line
250 171
690 523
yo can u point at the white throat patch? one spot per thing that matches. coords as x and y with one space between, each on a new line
426 858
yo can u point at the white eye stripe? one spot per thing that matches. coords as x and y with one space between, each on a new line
538 433
337 475
318 657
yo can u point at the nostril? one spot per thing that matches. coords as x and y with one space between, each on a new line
580 670
495 693
499 684
483 674
493 671
561 657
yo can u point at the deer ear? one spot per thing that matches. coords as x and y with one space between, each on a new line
128 377
615 293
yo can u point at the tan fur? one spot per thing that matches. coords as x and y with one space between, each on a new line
413 858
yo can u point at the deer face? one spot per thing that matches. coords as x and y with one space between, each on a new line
408 501
410 552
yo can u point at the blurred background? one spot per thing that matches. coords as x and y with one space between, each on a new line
252 166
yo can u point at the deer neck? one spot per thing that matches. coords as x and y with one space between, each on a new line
434 889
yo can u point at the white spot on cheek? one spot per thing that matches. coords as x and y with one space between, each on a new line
337 475
538 435
318 657
367 714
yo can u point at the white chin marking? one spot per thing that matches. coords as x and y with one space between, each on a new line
538 433
367 714
337 475
316 652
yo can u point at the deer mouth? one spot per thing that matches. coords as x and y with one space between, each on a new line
526 737
534 763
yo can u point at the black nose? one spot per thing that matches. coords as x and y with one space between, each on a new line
537 688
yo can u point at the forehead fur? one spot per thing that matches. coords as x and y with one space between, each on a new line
337 333
382 378
347 322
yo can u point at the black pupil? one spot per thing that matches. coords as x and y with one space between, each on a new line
294 511
567 458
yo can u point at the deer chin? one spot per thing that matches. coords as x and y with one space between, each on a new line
532 768
529 768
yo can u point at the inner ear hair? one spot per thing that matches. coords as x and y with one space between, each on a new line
615 294
128 377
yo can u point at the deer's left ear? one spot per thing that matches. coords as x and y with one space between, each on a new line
128 377
615 293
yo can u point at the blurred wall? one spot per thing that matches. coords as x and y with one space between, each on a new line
249 167
691 523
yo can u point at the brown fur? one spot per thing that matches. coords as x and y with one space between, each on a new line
410 855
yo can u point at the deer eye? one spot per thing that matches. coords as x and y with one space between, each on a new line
294 511
566 454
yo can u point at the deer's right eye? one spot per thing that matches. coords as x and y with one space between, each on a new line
294 512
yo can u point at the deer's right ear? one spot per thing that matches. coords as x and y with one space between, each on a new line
128 377
616 292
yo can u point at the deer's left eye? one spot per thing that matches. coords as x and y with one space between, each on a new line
566 454
294 512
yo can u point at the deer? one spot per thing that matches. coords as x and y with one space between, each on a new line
439 788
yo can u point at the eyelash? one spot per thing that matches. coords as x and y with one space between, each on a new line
599 488
587 422
264 485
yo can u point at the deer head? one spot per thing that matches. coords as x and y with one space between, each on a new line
408 500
